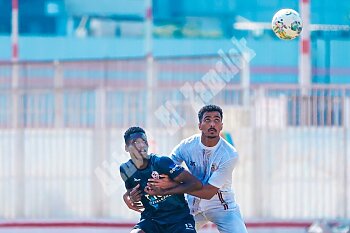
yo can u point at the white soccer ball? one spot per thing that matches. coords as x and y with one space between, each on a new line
287 24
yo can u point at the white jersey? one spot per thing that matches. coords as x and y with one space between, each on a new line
211 165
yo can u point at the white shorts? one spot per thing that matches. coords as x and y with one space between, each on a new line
227 221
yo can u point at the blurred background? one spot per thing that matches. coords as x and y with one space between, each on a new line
75 74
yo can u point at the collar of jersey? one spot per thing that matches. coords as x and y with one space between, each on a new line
148 164
209 148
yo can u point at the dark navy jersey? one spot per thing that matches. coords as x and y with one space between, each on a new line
163 209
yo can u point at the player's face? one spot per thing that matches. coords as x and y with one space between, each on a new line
211 124
138 150
140 145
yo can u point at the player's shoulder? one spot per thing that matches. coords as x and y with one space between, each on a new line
192 139
127 170
167 166
228 150
126 166
228 145
160 159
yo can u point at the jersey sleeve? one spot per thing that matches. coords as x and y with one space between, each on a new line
176 154
168 167
223 175
126 171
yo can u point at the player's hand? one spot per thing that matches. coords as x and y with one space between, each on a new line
164 182
154 191
133 200
135 155
135 194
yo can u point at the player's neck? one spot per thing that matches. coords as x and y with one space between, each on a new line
144 164
209 142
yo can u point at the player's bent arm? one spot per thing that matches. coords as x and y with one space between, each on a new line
206 192
186 183
127 200
217 180
132 198
176 154
129 203
223 175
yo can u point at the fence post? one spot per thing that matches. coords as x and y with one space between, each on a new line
346 124
58 92
257 170
18 132
99 151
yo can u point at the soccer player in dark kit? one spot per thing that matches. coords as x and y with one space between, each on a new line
169 211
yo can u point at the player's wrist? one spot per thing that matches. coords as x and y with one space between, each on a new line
165 192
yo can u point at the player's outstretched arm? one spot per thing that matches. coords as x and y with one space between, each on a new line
185 183
164 182
206 192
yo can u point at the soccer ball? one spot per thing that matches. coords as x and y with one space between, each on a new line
287 24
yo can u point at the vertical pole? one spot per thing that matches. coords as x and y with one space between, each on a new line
14 31
305 48
15 78
149 62
18 131
100 151
58 84
346 112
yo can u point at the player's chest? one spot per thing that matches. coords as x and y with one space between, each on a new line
203 161
143 176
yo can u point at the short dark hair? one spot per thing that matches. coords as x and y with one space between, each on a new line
209 108
132 130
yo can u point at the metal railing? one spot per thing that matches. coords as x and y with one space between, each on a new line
61 144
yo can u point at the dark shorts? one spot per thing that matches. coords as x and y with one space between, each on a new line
186 225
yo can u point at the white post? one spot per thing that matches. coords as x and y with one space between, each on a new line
14 31
100 151
15 78
58 84
17 128
305 48
149 60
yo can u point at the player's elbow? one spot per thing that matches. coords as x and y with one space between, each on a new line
209 191
194 185
208 196
197 185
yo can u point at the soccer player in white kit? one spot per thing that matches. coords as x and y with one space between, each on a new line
211 159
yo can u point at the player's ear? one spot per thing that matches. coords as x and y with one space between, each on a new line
126 148
146 142
199 126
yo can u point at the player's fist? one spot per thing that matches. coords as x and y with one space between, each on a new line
154 191
164 182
